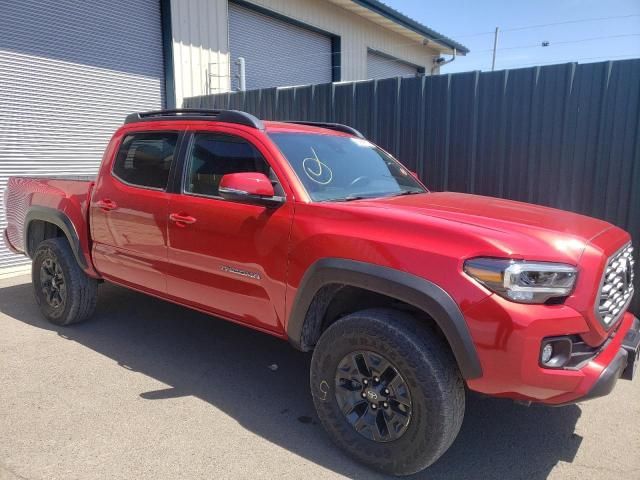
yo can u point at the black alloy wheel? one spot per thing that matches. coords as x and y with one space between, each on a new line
53 283
373 396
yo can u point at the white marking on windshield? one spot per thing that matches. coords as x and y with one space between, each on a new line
315 170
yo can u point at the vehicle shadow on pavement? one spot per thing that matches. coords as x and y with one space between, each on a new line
228 366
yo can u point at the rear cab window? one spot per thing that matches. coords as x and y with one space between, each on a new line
144 159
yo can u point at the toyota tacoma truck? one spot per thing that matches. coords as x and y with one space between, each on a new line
309 232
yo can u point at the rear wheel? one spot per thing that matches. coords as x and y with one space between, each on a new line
64 293
387 390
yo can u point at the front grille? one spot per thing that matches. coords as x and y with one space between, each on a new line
617 286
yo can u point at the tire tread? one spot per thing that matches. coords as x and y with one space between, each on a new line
82 290
431 361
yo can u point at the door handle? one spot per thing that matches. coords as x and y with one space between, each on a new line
106 204
181 220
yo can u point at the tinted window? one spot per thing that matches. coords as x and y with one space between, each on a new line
144 159
214 155
334 167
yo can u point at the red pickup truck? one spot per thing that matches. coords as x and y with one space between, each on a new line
312 234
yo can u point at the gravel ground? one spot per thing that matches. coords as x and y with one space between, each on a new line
149 390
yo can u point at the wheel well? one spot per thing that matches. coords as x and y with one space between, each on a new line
334 301
40 230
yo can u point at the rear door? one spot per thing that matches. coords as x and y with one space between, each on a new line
228 258
129 208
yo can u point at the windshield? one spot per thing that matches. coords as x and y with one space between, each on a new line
344 168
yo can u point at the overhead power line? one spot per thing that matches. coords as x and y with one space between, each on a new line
542 25
567 22
564 42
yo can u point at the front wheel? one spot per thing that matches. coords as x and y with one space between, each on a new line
64 293
387 390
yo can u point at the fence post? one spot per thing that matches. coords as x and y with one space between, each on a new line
421 130
474 134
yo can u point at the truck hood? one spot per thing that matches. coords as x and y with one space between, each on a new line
565 232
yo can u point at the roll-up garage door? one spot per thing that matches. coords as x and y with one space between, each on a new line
69 73
384 66
276 52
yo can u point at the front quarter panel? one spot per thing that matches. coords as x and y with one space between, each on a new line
431 251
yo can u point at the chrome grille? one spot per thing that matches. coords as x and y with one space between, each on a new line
617 286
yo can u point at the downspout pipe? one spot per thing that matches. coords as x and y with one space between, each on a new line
440 62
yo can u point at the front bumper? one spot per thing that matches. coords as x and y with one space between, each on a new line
624 365
631 344
508 339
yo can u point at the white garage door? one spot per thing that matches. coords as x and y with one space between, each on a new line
383 66
276 52
69 73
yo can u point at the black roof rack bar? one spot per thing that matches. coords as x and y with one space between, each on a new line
229 116
331 126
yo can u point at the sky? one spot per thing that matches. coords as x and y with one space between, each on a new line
584 40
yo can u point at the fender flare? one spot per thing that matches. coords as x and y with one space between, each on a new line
62 221
403 286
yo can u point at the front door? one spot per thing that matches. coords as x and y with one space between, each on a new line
228 258
129 209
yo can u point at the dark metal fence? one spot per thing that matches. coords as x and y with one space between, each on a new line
567 135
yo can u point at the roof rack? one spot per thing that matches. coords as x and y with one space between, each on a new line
229 116
331 126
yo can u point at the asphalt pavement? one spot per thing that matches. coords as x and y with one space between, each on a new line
150 390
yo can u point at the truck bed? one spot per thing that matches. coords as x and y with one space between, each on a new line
75 178
36 197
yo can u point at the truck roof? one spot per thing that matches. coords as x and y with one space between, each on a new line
310 127
242 118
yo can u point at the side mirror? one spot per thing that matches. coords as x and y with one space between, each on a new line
249 187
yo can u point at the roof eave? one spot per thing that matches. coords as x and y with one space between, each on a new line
410 24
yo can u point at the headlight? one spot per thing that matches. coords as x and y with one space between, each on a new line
525 282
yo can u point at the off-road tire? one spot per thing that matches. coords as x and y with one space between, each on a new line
80 290
430 372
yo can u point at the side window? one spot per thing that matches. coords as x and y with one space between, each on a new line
144 159
213 155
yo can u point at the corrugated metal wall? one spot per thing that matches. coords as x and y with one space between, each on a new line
567 136
383 66
276 53
69 73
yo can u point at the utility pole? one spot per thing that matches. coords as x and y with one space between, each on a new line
495 47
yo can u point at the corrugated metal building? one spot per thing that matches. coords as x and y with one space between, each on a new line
70 71
295 42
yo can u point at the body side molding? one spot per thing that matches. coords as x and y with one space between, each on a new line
416 291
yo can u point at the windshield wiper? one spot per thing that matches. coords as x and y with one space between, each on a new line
405 192
350 198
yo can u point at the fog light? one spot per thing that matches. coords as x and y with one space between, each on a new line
547 351
555 352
